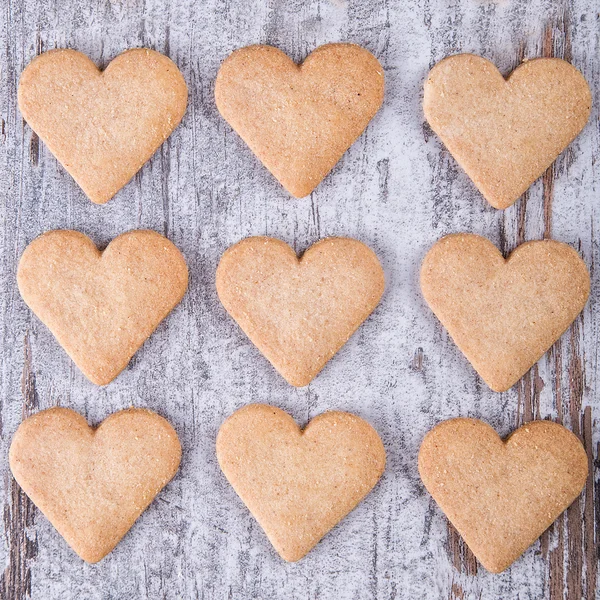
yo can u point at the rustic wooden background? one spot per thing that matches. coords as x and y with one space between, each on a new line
398 190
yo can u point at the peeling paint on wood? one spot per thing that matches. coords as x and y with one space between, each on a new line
19 511
398 190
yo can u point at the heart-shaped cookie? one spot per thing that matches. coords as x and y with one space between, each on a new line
299 484
505 133
102 306
92 484
504 314
501 496
102 126
299 312
299 120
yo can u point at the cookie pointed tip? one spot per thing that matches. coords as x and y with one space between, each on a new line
298 381
299 191
91 558
499 387
292 555
495 566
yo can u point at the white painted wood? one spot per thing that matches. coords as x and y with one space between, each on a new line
396 189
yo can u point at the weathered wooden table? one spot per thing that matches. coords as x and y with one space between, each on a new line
398 190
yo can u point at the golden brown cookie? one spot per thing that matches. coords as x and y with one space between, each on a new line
92 484
503 314
102 306
505 133
299 312
102 126
299 484
299 119
501 496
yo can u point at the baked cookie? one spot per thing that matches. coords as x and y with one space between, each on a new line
503 314
299 484
102 126
501 496
102 306
92 484
505 133
299 312
299 120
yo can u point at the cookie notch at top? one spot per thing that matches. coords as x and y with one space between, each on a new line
299 119
505 132
102 126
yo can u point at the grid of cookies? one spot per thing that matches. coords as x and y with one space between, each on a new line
503 313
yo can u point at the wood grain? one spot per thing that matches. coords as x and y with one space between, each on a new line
397 190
